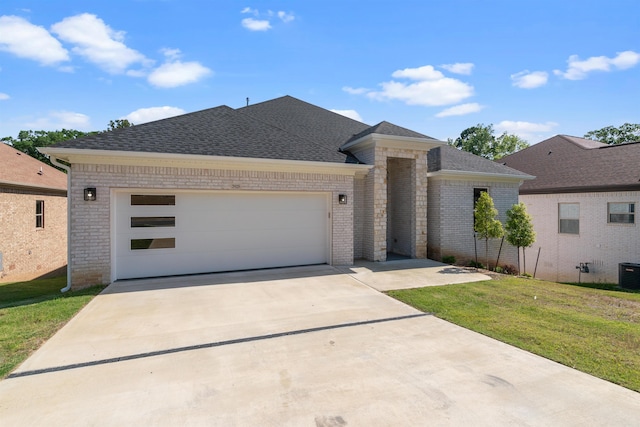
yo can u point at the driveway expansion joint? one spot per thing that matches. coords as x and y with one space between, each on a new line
209 345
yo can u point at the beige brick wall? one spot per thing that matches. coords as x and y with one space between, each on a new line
600 243
374 240
90 221
451 220
29 252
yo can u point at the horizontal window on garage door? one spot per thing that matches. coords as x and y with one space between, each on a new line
153 200
153 221
160 243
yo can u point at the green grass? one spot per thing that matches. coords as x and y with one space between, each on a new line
593 330
31 312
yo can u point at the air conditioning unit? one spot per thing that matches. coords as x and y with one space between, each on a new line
629 275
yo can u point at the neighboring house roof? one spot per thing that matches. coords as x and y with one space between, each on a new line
449 159
567 164
21 170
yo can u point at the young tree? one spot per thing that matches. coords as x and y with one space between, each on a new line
486 224
628 132
520 230
481 141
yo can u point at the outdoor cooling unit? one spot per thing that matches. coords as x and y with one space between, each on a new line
629 275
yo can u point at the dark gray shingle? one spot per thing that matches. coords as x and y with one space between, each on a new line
570 164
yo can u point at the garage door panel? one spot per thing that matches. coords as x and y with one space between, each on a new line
223 232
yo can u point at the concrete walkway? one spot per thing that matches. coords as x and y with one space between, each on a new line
301 347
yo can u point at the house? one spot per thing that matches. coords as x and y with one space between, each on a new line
33 217
279 183
583 203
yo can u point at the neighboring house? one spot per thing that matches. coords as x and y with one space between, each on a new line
583 203
280 183
33 217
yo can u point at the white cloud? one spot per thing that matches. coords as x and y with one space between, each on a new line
286 17
355 91
578 70
249 10
461 110
57 120
144 115
4 96
256 24
262 21
526 130
98 43
21 38
529 80
352 114
431 88
459 67
178 73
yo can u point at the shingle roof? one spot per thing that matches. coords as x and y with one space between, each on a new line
220 131
18 168
306 120
448 158
570 164
386 128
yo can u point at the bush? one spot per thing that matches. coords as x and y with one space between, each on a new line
499 269
449 259
476 264
510 269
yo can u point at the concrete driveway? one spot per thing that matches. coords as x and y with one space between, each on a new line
312 346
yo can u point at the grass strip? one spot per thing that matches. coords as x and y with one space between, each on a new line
593 330
31 312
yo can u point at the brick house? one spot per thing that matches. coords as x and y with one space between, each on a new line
583 203
33 217
279 183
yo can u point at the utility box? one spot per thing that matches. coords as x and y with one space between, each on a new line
629 275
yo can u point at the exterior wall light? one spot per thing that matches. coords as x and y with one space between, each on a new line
342 199
90 194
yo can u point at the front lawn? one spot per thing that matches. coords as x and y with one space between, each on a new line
593 330
31 312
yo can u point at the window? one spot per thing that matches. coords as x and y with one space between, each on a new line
152 200
162 243
153 221
476 196
621 213
39 213
569 218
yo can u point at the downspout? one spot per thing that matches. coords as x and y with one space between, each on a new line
68 169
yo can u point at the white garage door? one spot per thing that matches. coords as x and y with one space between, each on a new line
184 232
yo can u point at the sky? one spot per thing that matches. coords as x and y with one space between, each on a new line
530 68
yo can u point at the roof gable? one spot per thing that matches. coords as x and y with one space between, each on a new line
570 164
21 169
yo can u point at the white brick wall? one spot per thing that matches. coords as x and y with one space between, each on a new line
451 220
601 244
90 221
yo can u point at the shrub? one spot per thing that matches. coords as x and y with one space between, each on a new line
449 259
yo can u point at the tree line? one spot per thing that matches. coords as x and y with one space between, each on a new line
481 141
27 141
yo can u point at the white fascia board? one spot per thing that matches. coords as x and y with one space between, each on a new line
470 175
194 161
389 141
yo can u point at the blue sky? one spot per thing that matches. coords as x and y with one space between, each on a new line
533 68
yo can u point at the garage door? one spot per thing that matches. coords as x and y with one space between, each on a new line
184 232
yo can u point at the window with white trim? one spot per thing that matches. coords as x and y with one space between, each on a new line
39 213
569 218
621 213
